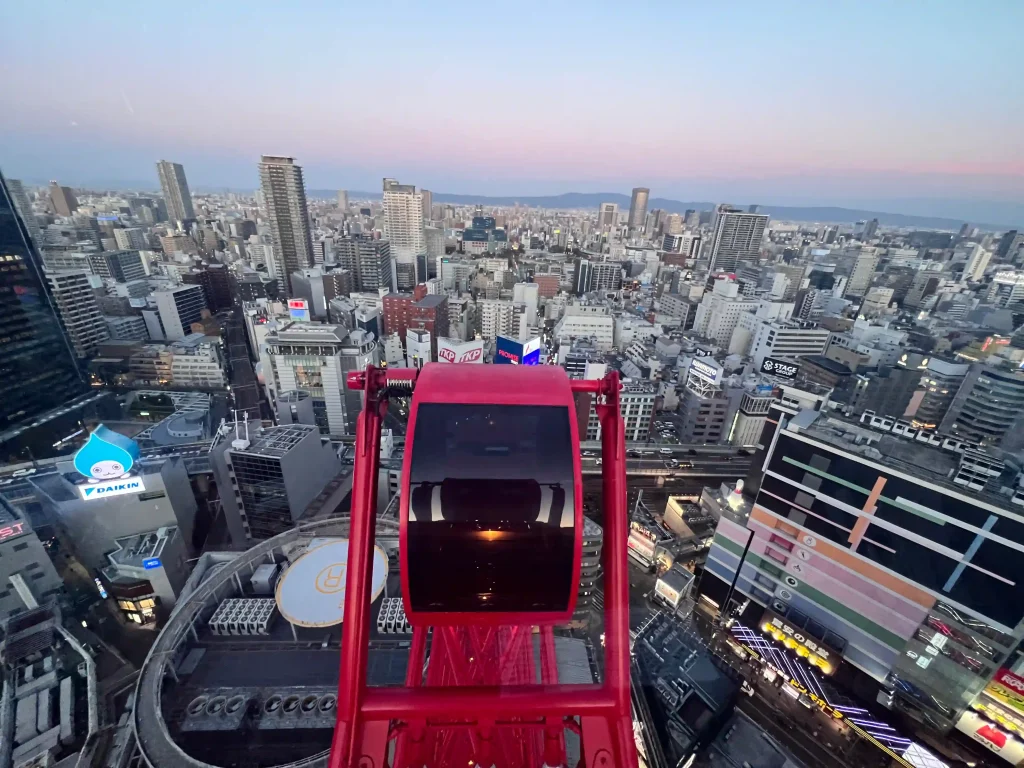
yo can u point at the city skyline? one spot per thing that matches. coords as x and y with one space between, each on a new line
851 115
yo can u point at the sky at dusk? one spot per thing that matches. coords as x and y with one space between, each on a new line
870 104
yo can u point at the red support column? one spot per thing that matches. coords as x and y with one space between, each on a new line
345 746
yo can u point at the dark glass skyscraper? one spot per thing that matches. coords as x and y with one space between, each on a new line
37 364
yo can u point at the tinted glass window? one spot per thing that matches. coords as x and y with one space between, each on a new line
491 513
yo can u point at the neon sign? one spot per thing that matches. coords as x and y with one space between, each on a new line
12 530
112 488
823 705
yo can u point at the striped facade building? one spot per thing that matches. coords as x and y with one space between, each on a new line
865 543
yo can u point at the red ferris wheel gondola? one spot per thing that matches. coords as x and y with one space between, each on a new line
491 526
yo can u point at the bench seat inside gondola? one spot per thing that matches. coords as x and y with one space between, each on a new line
491 509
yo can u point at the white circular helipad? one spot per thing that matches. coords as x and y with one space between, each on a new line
311 593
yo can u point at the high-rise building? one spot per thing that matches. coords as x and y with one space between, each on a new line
215 281
719 312
275 476
342 200
1007 288
862 271
673 224
428 203
131 239
608 216
787 340
37 362
368 260
638 207
922 286
178 308
497 318
23 206
176 192
63 199
976 264
403 218
171 244
284 195
315 358
75 297
736 239
636 404
596 276
989 407
337 282
941 382
120 266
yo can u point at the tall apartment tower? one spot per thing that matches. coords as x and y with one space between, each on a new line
175 189
403 215
737 238
64 201
608 216
428 203
284 195
37 368
638 207
75 297
23 208
368 260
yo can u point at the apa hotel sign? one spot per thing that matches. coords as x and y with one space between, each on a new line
106 461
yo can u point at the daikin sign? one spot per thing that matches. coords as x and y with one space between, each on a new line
105 461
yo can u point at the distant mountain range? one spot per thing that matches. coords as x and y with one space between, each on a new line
578 200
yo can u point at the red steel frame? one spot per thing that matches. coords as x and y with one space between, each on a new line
486 710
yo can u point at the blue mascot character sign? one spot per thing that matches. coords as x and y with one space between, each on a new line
107 455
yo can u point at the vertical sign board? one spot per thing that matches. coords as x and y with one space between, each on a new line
513 352
531 352
508 351
298 309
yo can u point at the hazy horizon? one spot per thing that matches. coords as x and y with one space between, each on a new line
746 103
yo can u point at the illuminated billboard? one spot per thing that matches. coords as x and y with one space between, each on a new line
12 530
456 351
112 488
513 352
298 309
106 460
106 455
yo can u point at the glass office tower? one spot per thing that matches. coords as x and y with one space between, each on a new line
37 364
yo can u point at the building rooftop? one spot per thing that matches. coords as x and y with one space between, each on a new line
134 550
431 300
743 744
911 456
829 365
308 333
277 441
